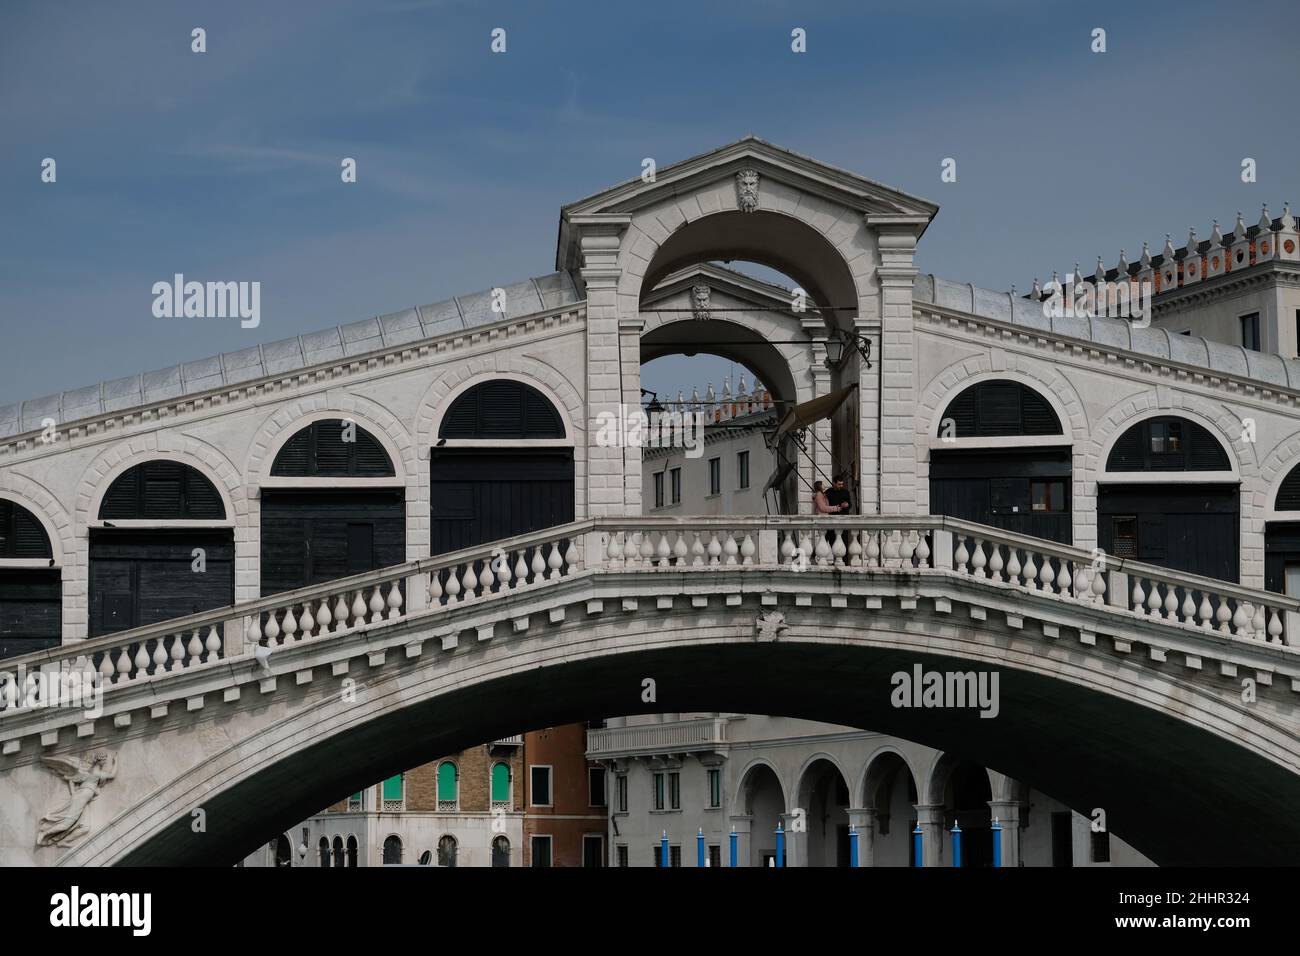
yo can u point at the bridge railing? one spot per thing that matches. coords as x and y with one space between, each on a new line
655 545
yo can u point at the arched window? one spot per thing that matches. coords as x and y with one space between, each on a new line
392 850
500 783
352 851
1167 443
1288 495
332 448
501 409
283 851
500 852
996 409
447 789
324 851
338 851
447 851
162 490
21 534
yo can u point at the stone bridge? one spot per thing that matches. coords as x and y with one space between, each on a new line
232 724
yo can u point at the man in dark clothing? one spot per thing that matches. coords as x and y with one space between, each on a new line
839 498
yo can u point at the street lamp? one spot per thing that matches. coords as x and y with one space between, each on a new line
839 339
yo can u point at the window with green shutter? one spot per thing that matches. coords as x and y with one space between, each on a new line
500 783
393 788
446 782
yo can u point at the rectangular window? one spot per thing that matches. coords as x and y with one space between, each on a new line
675 855
1292 580
593 851
1124 536
715 476
1250 331
1047 496
659 791
658 856
659 489
742 469
620 786
715 788
675 483
620 852
715 855
541 846
1062 839
596 785
1101 847
675 791
1166 438
355 801
540 787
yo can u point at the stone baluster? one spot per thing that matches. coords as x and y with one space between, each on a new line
377 599
1047 575
160 655
996 563
1257 623
663 551
1030 571
1064 579
697 551
1098 586
359 603
106 668
854 550
503 572
570 555
714 549
1139 596
1154 600
889 558
289 625
1205 612
1223 616
729 548
142 659
1171 603
1013 565
521 566
873 549
1274 627
307 623
486 577
922 550
647 549
123 665
178 645
786 551
961 557
1188 608
213 643
747 550
680 550
821 550
394 601
468 581
342 612
435 596
978 561
537 566
614 550
838 550
1241 621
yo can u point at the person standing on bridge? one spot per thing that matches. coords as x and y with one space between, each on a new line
821 502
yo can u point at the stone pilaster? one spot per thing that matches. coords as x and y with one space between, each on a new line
896 238
930 818
601 236
1007 813
863 820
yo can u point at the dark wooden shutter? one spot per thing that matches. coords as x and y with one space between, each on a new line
501 409
1204 452
122 500
1128 454
1001 408
1288 496
319 451
162 490
294 459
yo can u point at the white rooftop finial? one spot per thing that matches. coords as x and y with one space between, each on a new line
709 396
1216 237
726 389
1145 259
1036 291
740 387
1123 265
1168 250
1265 223
1100 275
1191 240
1239 230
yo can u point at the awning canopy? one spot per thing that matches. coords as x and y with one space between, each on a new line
812 411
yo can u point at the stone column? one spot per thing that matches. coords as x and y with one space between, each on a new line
864 822
1007 813
930 817
601 237
796 842
868 399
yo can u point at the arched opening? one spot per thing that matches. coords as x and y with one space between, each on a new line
890 791
1169 497
156 554
500 851
283 851
724 355
764 803
352 851
322 516
392 850
1282 539
324 851
502 466
975 475
31 595
339 861
447 847
824 795
965 792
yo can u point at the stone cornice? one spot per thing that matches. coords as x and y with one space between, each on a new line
199 405
1238 386
1227 285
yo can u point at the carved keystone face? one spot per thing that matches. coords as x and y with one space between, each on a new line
747 189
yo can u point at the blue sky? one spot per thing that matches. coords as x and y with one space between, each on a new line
225 165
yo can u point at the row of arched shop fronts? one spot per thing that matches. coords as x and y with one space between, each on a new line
503 465
164 545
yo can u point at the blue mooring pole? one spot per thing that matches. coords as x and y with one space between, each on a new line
997 842
780 844
853 846
733 846
956 844
663 849
699 848
916 844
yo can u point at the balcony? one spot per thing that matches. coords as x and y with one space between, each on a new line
516 741
682 736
